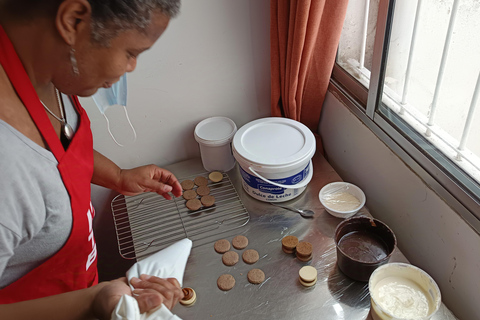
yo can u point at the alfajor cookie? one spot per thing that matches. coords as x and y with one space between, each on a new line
240 242
189 296
187 184
193 204
250 256
200 181
230 258
208 200
307 276
225 282
289 243
256 276
222 246
304 251
203 191
215 176
189 194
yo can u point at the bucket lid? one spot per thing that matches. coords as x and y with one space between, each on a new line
215 131
274 141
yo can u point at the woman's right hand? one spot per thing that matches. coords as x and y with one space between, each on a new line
150 292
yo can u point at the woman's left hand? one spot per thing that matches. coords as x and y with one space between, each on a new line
149 178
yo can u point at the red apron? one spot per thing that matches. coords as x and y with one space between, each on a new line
74 266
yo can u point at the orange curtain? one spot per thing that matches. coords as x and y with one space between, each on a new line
304 36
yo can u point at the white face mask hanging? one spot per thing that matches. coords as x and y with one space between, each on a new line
115 95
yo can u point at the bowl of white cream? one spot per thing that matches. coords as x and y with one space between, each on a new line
342 199
400 291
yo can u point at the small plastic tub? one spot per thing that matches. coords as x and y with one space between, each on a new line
400 291
214 136
363 244
342 199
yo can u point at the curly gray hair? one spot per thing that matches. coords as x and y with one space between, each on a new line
109 17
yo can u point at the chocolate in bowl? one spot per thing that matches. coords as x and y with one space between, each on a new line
363 244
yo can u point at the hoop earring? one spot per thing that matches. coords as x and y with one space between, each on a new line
73 60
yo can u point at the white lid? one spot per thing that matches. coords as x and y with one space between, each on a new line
215 131
274 141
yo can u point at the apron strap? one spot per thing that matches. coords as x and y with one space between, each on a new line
21 82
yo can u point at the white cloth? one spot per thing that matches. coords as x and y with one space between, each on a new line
167 263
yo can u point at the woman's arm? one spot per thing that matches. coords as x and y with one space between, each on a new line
149 178
96 302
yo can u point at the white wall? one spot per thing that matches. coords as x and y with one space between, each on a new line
213 60
429 233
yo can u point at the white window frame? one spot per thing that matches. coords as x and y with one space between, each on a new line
455 188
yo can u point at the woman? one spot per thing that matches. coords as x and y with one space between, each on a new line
51 51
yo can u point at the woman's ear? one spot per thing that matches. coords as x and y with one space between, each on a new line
73 17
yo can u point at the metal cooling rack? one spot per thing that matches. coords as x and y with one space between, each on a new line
147 223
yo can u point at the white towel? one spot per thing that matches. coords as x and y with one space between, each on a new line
167 263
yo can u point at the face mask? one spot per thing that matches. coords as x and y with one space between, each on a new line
116 95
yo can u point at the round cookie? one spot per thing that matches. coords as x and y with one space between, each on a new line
225 282
189 296
203 191
250 256
289 243
240 242
189 194
304 251
307 276
187 184
222 246
230 258
208 200
200 181
255 276
215 176
193 204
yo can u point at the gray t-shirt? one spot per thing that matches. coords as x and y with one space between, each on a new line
35 211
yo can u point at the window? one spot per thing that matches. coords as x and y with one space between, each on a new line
411 67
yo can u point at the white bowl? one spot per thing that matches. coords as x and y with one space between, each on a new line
336 198
400 291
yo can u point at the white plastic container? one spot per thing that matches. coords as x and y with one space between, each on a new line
214 136
274 157
400 291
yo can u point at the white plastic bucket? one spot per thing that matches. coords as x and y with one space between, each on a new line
214 136
274 157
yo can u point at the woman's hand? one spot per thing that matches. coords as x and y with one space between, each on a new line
150 292
149 178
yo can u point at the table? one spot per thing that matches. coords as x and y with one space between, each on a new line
280 296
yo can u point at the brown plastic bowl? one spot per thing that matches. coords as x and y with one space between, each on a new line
363 244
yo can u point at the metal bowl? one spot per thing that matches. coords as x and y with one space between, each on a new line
363 244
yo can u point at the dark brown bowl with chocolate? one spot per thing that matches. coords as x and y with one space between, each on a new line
363 244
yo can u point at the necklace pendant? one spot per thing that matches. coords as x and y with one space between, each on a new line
67 130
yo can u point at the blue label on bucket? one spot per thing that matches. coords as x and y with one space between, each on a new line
257 183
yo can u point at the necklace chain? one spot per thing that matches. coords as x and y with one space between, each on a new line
62 120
